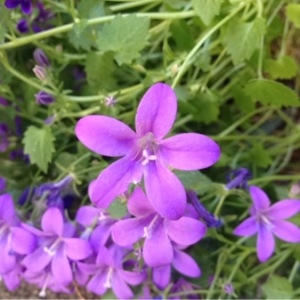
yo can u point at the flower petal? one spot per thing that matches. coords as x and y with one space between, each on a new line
133 278
77 249
86 215
164 191
7 209
12 3
96 284
22 241
265 243
260 199
100 235
247 228
190 151
61 268
185 264
112 182
158 250
185 231
157 111
161 276
284 209
286 231
37 260
120 287
138 204
8 259
105 135
52 221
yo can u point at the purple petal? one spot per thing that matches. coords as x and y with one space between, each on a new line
157 111
247 228
112 182
52 221
185 231
165 191
286 231
7 209
265 243
26 6
60 267
158 250
260 199
127 232
77 249
284 209
22 241
37 260
161 276
138 204
10 4
105 135
120 288
8 259
96 284
100 235
190 151
132 278
86 215
185 264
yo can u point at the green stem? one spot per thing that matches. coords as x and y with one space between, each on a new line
64 28
294 271
191 56
274 177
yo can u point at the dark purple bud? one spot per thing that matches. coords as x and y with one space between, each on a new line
41 58
238 178
11 4
2 184
4 102
26 6
43 98
208 218
22 26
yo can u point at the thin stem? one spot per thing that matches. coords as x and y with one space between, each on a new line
274 178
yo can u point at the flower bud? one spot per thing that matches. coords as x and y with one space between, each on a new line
43 98
41 58
40 73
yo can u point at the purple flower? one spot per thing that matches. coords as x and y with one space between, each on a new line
159 233
183 286
267 219
43 98
146 154
110 274
2 184
4 102
238 179
228 289
57 247
4 142
41 58
23 26
208 218
26 5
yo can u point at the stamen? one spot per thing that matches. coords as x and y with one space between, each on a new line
42 292
148 157
148 230
107 283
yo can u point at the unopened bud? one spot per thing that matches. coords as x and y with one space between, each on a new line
40 73
43 98
41 58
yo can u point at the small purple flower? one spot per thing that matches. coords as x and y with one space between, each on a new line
208 218
4 102
238 179
228 289
4 142
26 5
23 26
41 58
44 98
266 220
50 120
110 101
110 274
184 286
159 233
146 153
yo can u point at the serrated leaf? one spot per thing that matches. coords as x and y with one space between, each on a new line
242 39
38 144
207 9
293 14
125 36
259 156
88 9
284 67
278 288
271 92
99 69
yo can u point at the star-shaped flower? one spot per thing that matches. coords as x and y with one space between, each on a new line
146 154
267 220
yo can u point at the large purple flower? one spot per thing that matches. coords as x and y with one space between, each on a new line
146 153
159 233
267 219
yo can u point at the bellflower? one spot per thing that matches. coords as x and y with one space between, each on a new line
267 220
26 5
146 154
159 233
57 247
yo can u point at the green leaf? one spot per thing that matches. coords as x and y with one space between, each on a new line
293 14
242 39
182 35
38 144
284 67
88 9
277 288
4 20
259 156
125 36
271 92
242 100
207 9
99 70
